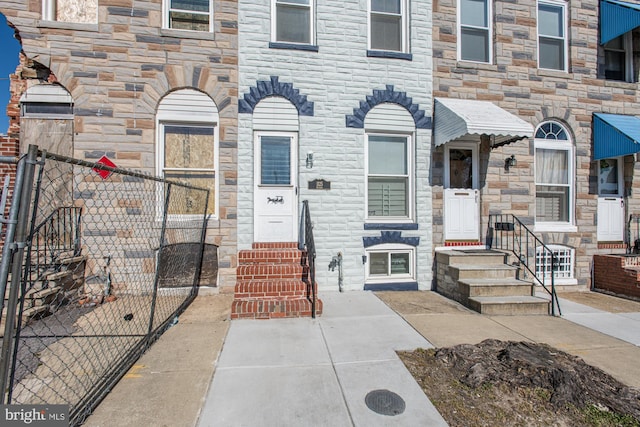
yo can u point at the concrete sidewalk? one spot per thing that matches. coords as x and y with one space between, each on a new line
318 372
294 372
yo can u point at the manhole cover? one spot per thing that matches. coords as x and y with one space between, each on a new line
385 402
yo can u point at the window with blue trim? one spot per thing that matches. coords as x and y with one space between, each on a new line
388 25
392 262
292 21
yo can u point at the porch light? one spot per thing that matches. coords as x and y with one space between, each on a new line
510 162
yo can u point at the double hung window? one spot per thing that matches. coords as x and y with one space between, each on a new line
293 21
475 30
388 183
388 25
552 41
618 58
190 15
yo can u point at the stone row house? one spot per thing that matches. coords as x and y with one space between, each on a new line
404 124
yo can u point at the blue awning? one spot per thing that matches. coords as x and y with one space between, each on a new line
617 18
615 135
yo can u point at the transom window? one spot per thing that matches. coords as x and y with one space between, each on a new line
618 58
552 43
391 262
564 262
293 21
190 15
387 25
388 172
554 174
475 30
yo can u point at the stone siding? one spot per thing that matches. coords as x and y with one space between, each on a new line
514 82
119 68
337 79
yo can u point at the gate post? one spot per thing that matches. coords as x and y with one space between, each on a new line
13 253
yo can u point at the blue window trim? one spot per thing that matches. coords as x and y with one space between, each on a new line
273 87
387 226
294 46
391 286
387 237
389 94
389 54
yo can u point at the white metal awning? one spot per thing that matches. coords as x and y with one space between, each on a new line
457 118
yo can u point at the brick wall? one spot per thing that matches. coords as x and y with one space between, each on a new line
119 68
610 274
514 83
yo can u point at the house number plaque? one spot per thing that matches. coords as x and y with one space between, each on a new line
319 184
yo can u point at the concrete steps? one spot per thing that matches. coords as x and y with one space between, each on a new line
272 282
56 285
482 281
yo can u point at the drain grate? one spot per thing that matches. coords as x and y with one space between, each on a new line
385 402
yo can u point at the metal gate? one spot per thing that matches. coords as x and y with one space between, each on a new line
84 296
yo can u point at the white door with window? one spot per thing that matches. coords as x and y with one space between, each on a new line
610 200
275 191
461 194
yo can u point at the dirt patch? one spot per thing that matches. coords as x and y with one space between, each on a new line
498 383
604 302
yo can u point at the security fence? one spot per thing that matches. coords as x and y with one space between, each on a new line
97 262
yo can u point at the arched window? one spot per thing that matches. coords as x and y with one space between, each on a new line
187 123
554 166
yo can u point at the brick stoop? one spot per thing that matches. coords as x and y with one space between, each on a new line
272 282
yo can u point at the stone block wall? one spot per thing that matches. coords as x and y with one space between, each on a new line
337 79
118 68
514 82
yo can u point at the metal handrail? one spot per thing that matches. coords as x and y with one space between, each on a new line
507 232
307 244
60 232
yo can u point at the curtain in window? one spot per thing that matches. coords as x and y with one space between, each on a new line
552 190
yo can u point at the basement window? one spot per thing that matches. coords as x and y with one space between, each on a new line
564 262
392 262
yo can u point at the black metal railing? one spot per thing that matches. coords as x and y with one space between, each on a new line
58 234
307 244
507 232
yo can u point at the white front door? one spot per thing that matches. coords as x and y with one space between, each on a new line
275 192
610 200
461 194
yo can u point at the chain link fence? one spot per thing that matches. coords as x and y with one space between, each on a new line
108 260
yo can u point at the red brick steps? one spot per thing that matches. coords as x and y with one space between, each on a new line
272 282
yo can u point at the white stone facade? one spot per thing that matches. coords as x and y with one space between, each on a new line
337 78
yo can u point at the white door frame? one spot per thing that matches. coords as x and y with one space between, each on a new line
275 215
466 225
611 211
